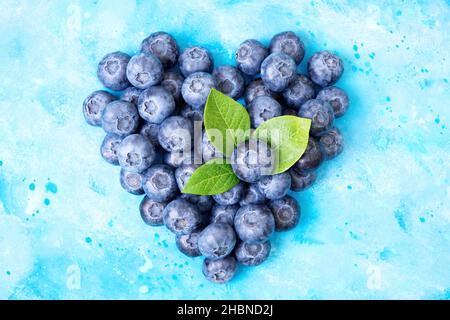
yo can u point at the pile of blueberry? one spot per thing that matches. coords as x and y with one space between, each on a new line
148 119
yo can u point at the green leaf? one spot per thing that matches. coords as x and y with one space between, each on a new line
288 137
227 123
213 177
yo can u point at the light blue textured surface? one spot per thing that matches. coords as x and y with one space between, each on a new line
375 225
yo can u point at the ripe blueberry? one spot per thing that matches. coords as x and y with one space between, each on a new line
177 158
286 212
152 211
203 203
183 173
182 217
172 82
252 195
209 151
112 72
221 270
159 183
94 105
332 143
136 153
301 179
196 88
120 117
300 90
150 130
249 56
325 68
193 114
155 104
217 240
131 182
188 244
144 70
276 186
163 46
312 157
131 94
229 81
108 149
277 71
252 254
176 134
257 88
336 97
320 113
262 109
224 214
288 43
254 223
195 59
231 196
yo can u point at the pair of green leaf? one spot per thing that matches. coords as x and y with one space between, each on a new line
229 123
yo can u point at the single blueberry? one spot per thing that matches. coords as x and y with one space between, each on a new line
229 81
144 70
252 254
217 240
136 153
172 82
249 56
188 244
163 46
108 149
150 130
159 183
301 179
209 151
224 214
120 117
321 115
219 271
277 71
94 105
257 88
253 159
231 196
254 223
182 217
337 98
131 94
193 114
325 68
332 143
156 104
183 173
276 186
311 158
262 109
286 212
195 59
196 88
152 211
131 182
176 134
252 195
289 43
203 203
300 90
112 71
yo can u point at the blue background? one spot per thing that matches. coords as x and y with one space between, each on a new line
375 225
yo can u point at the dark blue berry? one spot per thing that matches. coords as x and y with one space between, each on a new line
229 81
286 212
150 130
152 211
159 183
131 94
193 114
94 105
136 153
144 70
300 90
288 43
325 68
262 109
182 217
131 182
289 112
277 71
257 88
249 56
121 118
336 97
320 113
332 143
220 270
188 244
176 134
252 254
203 203
156 104
195 59
224 214
301 180
276 186
252 195
172 82
163 46
112 71
312 157
231 196
196 88
217 240
254 223
108 149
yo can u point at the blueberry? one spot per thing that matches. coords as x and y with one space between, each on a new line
94 105
131 94
156 104
311 158
276 186
257 88
217 240
159 183
120 117
195 59
196 88
262 109
332 143
254 223
209 152
112 71
188 244
325 68
182 217
252 254
253 159
177 158
286 212
301 179
108 149
299 91
277 71
320 113
193 114
176 134
163 46
183 173
152 211
144 70
249 56
336 97
221 270
288 43
231 196
289 112
224 214
150 131
229 81
136 153
172 82
131 182
252 195
204 203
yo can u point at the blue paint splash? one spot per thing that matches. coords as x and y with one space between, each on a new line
51 187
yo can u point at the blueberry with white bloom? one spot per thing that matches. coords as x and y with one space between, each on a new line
188 244
220 270
163 46
321 115
131 182
112 71
231 196
325 68
120 117
276 186
196 88
172 82
183 173
257 88
217 240
301 179
203 203
289 43
229 81
156 104
182 217
94 105
193 114
224 214
176 134
300 90
136 153
277 71
131 94
262 109
152 211
286 212
332 143
108 149
337 98
249 56
254 223
144 70
159 183
195 59
150 131
252 195
252 254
